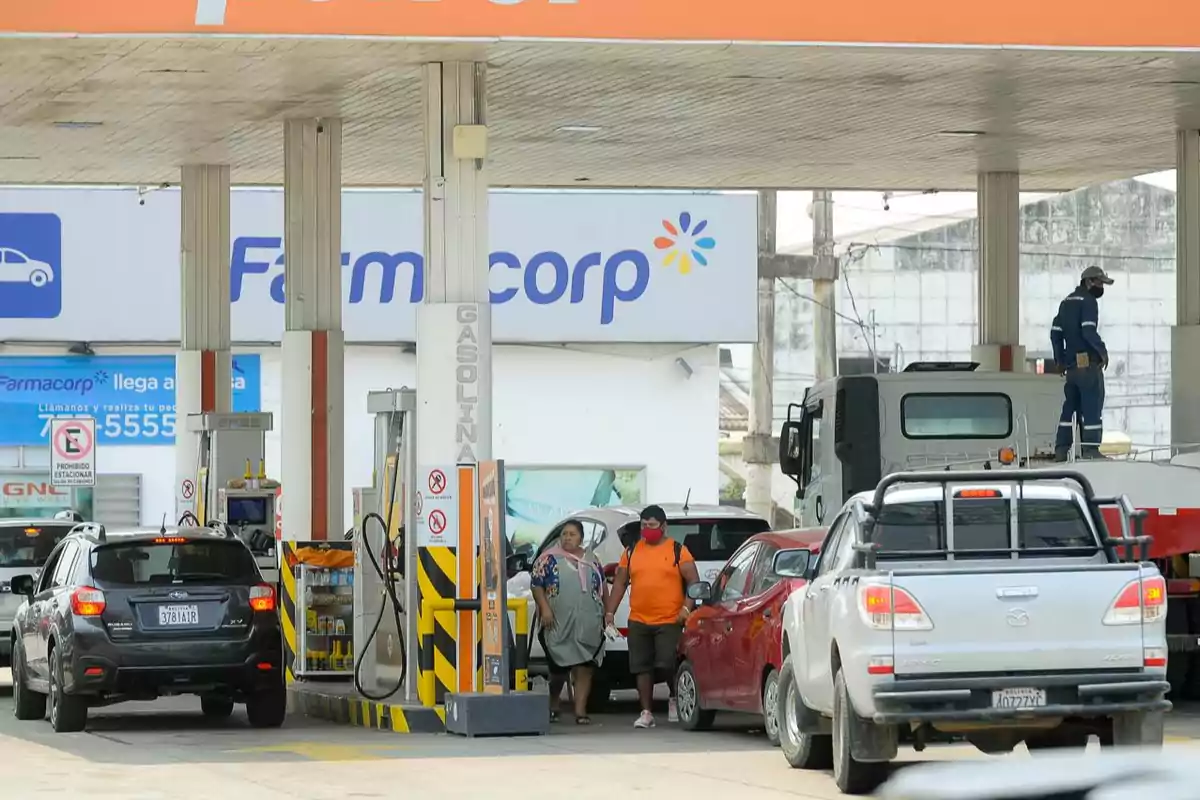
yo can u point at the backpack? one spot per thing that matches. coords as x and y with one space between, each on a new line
629 557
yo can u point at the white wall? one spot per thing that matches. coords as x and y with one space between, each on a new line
620 405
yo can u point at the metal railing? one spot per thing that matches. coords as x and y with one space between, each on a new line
426 678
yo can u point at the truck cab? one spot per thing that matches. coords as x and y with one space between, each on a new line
851 431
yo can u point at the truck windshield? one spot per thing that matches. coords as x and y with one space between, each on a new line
148 563
29 545
982 524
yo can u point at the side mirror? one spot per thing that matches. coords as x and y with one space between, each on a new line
22 585
791 448
792 563
701 591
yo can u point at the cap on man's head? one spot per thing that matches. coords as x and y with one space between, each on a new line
656 513
1095 273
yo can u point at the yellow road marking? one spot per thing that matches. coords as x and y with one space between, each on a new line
316 751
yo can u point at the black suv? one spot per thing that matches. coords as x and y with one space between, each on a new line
143 614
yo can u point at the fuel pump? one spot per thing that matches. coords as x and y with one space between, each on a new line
232 485
384 558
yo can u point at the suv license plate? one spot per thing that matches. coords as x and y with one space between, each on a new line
1019 698
169 616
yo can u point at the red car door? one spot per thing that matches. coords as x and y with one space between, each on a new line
728 609
752 623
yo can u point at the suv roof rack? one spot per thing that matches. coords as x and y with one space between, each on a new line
90 530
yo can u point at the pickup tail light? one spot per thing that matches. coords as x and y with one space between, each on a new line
262 598
87 602
884 608
1154 657
1140 601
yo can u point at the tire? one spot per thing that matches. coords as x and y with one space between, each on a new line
268 707
216 707
802 750
1138 729
850 776
68 712
28 705
692 716
600 697
39 278
770 707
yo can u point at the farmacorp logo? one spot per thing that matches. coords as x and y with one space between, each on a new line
44 383
685 245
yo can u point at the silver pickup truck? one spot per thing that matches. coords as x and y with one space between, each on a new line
990 605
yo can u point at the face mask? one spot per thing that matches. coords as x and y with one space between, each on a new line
652 535
1096 291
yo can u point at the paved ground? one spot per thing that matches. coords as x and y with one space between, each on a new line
167 750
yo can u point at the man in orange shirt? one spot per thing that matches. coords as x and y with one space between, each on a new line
656 569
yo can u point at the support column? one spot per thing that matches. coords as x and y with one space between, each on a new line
824 288
757 450
203 364
1185 336
312 425
454 324
998 201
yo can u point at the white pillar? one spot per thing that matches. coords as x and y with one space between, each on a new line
824 290
202 367
1185 336
312 423
998 201
757 452
454 324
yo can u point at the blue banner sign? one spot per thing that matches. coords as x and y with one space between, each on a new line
131 397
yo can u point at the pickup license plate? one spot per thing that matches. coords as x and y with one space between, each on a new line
1019 698
172 616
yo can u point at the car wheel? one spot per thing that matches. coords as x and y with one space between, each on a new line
692 717
68 712
39 278
27 704
770 707
268 707
802 750
852 777
216 706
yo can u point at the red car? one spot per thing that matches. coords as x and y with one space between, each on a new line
731 652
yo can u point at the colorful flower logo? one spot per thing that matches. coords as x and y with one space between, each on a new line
685 244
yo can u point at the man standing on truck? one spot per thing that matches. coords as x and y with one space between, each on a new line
655 569
1080 355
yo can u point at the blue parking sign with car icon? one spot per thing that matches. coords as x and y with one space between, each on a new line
30 266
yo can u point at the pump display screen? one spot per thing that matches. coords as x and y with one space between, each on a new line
247 511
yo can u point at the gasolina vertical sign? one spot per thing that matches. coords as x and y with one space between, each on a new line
73 452
495 595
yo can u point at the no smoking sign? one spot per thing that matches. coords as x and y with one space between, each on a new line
436 506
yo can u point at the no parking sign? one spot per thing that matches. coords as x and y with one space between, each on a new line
73 452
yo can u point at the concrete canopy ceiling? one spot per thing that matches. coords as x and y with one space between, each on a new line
131 110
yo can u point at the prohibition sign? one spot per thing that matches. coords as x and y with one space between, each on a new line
437 521
188 489
73 442
437 481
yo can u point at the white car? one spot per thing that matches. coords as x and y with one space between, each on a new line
16 267
710 533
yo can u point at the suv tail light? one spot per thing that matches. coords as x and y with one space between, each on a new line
87 602
1143 600
886 608
262 597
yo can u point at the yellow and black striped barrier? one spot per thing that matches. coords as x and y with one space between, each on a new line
436 568
430 680
287 607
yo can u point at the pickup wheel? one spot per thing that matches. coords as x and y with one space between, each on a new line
852 777
802 750
692 716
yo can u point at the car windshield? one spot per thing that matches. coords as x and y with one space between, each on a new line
148 563
29 545
982 524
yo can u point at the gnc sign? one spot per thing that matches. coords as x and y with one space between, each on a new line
26 491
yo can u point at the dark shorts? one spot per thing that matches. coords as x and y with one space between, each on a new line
653 647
